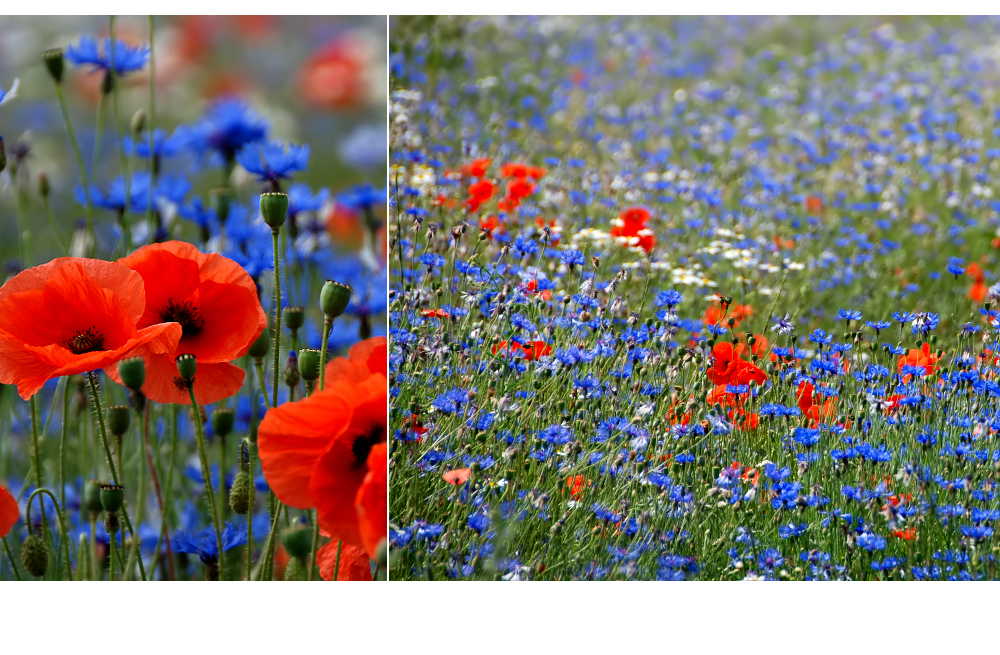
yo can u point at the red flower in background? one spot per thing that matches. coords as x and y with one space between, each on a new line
631 225
716 313
9 512
728 368
914 357
531 351
577 484
354 563
336 76
808 402
477 168
479 193
457 476
75 315
215 302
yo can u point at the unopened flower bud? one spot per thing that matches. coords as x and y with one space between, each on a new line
138 121
187 366
292 370
274 209
220 200
112 497
258 349
34 557
223 419
334 298
132 371
43 185
298 541
119 418
239 493
309 364
91 500
53 60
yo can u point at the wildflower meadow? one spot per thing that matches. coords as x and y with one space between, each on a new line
192 317
693 298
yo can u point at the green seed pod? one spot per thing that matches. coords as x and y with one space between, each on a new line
187 366
34 557
43 185
91 500
309 364
333 298
292 370
112 497
298 541
274 209
119 418
222 421
138 121
294 317
53 60
111 522
220 200
258 349
132 371
239 493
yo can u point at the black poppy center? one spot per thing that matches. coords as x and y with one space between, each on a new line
85 341
363 444
184 313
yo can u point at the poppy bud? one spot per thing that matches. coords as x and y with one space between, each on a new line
239 493
91 500
187 366
298 541
293 317
274 209
138 121
34 557
43 185
112 497
132 371
119 418
333 298
53 60
258 349
220 200
309 364
222 421
292 370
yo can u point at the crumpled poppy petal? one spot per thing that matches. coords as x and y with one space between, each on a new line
354 563
371 502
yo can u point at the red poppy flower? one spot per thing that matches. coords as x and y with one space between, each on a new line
434 313
74 315
922 357
514 170
728 368
814 205
477 168
9 512
906 535
631 226
457 476
531 351
489 224
215 301
716 313
328 450
335 77
354 563
479 193
577 484
520 188
811 408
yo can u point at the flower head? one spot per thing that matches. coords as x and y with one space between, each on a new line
204 544
272 161
226 127
127 58
9 512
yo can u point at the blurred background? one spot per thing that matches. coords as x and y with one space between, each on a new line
319 81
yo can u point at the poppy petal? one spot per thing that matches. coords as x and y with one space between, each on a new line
371 501
9 512
354 563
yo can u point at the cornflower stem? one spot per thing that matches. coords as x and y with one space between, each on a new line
277 314
126 172
206 472
62 443
267 565
23 248
315 545
52 225
327 325
152 106
13 563
263 387
87 210
336 566
38 464
100 135
62 523
111 462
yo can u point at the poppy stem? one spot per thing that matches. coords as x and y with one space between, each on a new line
336 567
111 463
62 523
267 564
253 500
315 544
87 211
33 407
263 387
94 564
62 442
13 563
206 473
277 314
327 325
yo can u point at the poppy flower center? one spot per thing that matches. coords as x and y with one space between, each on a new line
184 313
364 442
85 341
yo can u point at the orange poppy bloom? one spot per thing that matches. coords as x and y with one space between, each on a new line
479 193
728 368
74 315
477 168
457 476
215 302
811 408
514 170
9 512
814 205
922 357
434 313
906 535
354 564
328 450
531 351
715 313
335 76
577 484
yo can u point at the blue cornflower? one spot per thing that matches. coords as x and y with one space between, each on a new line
163 145
9 94
301 199
669 298
820 337
770 559
271 161
226 127
878 325
871 542
783 325
849 315
431 260
572 258
202 216
127 58
204 544
955 269
362 197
